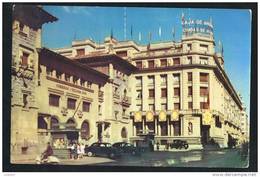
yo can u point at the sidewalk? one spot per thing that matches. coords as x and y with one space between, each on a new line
30 159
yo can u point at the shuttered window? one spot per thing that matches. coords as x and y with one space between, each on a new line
54 100
80 52
204 77
138 64
189 76
151 93
71 104
203 91
163 92
189 90
151 64
163 62
177 91
85 106
176 61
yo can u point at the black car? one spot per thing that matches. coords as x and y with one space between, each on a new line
102 149
127 148
179 144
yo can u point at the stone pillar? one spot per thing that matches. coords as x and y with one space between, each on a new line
134 130
168 128
196 89
155 126
159 129
169 92
145 94
143 125
157 89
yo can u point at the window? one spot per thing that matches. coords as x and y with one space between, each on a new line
163 62
85 106
54 100
203 91
25 100
138 64
163 79
190 60
204 77
177 91
176 128
71 104
164 106
151 64
138 81
203 60
204 47
151 107
151 80
189 77
139 94
189 47
190 91
176 106
190 105
122 53
24 59
204 105
176 61
151 93
80 52
164 130
176 78
217 122
163 92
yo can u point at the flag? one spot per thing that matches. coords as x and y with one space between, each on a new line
160 31
111 33
131 32
173 32
150 36
140 36
182 18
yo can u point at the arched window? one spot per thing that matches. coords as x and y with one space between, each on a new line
190 128
123 133
42 124
54 123
85 130
71 123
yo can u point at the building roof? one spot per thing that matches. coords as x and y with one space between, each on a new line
32 15
63 59
103 58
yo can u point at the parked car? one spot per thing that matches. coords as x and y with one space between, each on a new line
127 148
102 149
179 144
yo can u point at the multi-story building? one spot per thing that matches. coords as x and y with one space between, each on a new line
119 90
180 90
26 38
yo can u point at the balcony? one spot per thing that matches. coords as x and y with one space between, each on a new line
126 101
100 96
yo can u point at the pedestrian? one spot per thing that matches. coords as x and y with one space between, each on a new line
75 155
48 152
70 148
158 146
78 151
82 147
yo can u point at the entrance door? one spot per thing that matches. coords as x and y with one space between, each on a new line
205 134
99 127
72 136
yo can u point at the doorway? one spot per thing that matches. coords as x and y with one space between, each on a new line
205 134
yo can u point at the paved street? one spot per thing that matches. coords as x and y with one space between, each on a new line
226 158
220 158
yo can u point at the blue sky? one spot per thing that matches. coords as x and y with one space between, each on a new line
231 26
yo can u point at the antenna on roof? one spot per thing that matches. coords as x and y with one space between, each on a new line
125 18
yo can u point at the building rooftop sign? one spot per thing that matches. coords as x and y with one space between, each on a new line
192 26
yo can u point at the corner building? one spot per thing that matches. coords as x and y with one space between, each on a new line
180 90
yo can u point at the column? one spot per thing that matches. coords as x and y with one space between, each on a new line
196 88
134 129
157 89
168 128
155 126
145 95
170 91
143 125
159 129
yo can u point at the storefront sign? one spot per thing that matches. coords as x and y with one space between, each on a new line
175 116
70 89
207 118
149 116
162 116
138 116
